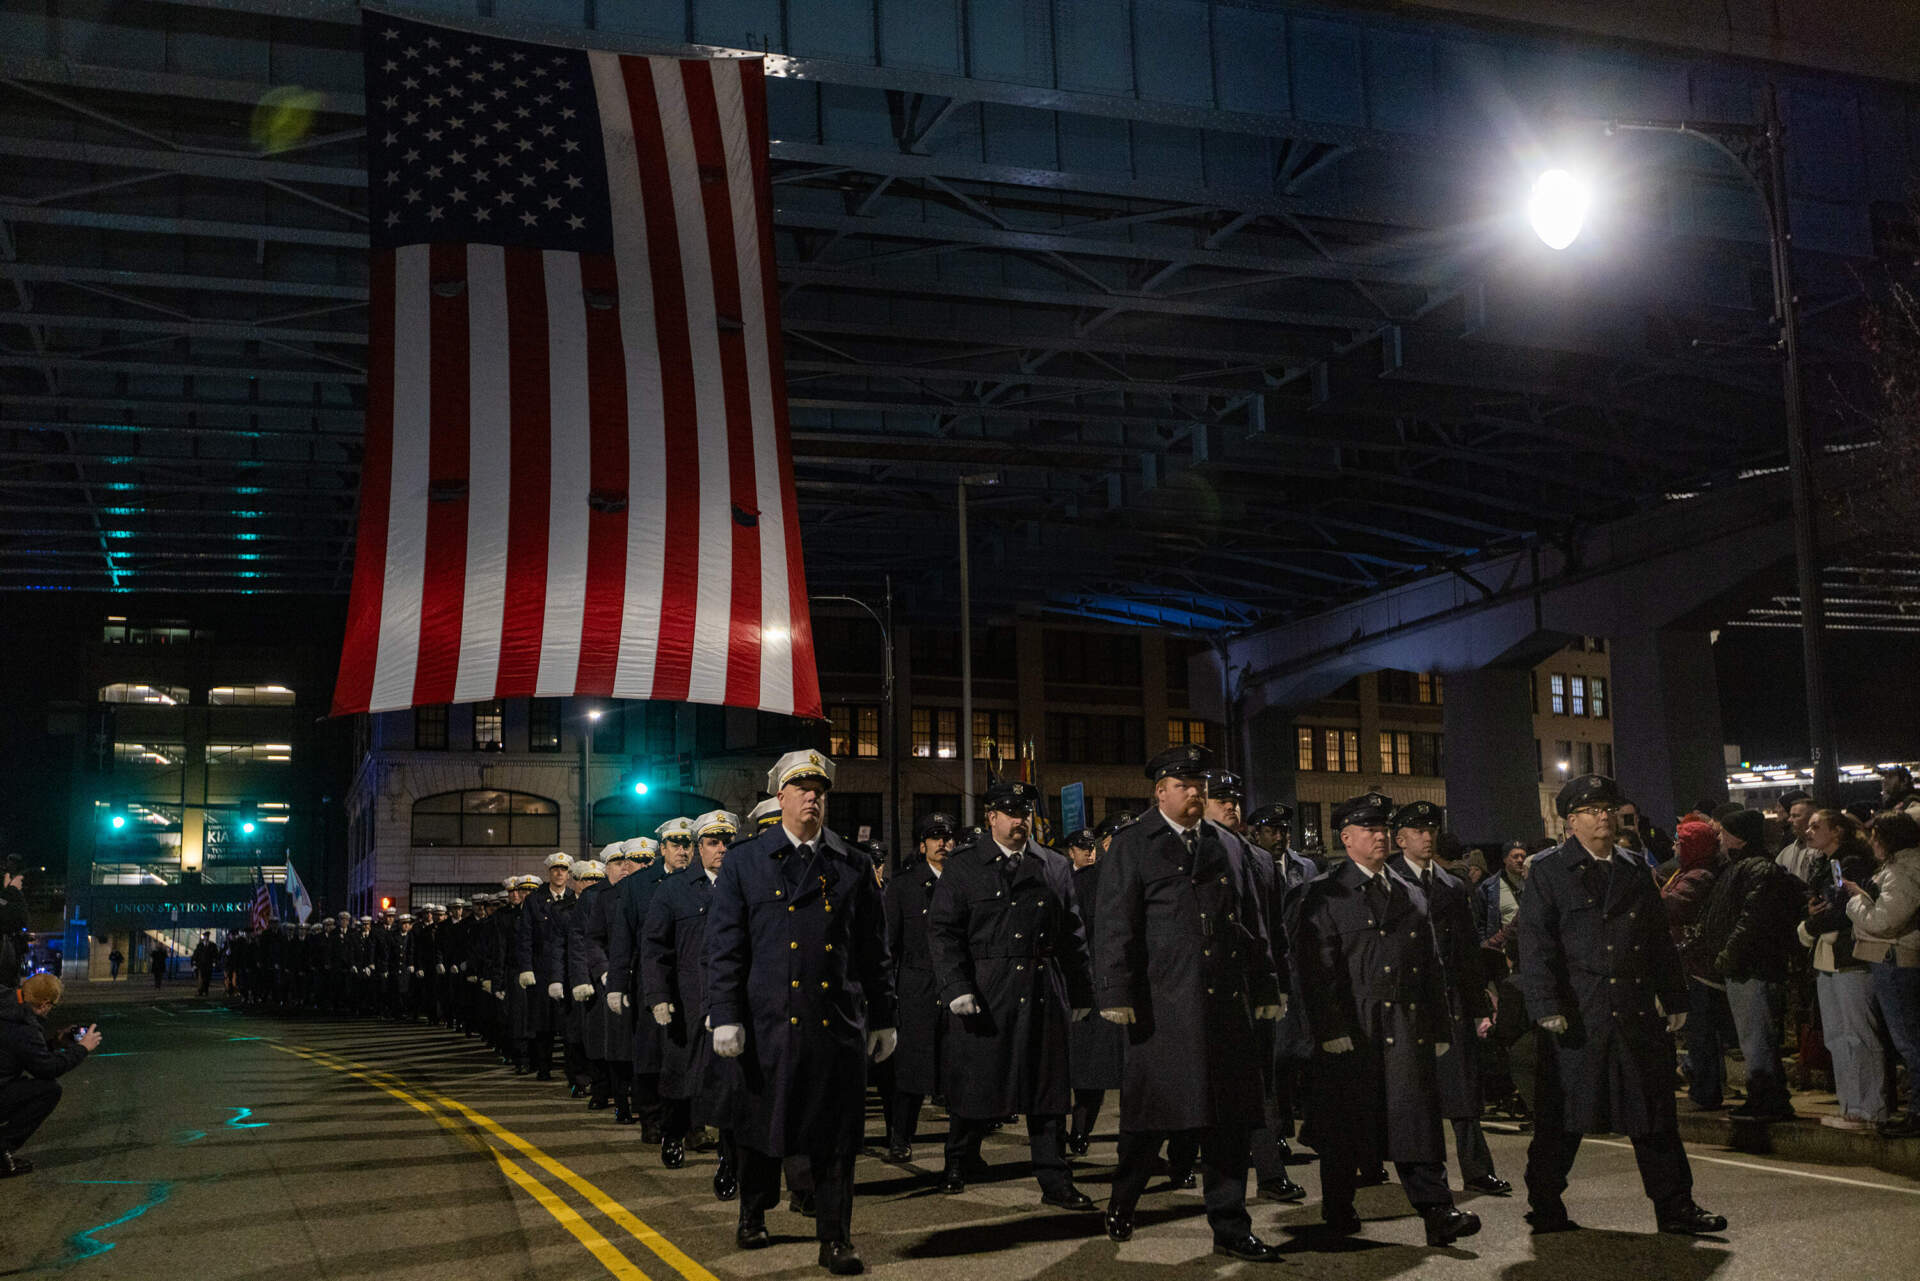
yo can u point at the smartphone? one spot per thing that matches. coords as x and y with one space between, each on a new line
1838 876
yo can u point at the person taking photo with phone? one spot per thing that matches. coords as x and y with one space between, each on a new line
30 1062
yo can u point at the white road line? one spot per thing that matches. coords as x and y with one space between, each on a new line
1773 1169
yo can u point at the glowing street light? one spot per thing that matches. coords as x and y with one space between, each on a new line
1558 207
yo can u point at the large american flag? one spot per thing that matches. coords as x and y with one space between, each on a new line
578 477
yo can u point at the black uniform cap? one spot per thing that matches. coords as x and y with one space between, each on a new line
1224 784
935 824
1113 823
1587 789
1370 810
1417 814
1083 839
1010 797
1275 815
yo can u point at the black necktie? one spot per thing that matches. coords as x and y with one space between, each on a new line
797 864
1381 891
1606 877
1426 882
1191 837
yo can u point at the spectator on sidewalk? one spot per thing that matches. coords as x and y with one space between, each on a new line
13 922
29 1063
115 959
1496 900
1752 919
1896 791
205 953
1844 984
1709 1032
1886 934
157 963
1796 812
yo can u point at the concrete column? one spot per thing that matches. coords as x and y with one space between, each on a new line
1668 746
1267 752
1493 790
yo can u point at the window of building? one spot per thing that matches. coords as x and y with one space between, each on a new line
936 732
1557 692
134 692
1597 696
543 725
489 726
1563 756
430 728
1603 759
1429 760
1539 761
1396 752
1001 731
249 753
849 812
1181 730
856 729
1429 689
149 752
1308 814
1349 692
1595 644
485 817
1078 739
1303 748
250 696
935 651
609 730
1179 651
1583 758
925 803
1092 658
1577 706
709 729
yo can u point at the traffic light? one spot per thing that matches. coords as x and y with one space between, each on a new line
116 819
639 787
247 824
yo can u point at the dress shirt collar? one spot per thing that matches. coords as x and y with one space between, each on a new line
796 842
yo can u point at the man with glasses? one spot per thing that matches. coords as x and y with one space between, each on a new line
1603 981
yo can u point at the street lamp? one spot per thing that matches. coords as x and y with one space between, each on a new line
1557 210
586 786
891 830
966 648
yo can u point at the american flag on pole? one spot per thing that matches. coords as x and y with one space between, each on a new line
578 477
262 901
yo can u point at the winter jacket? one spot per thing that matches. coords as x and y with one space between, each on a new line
1887 928
1748 932
1828 933
24 1050
1686 897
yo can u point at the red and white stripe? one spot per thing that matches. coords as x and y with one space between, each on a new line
533 378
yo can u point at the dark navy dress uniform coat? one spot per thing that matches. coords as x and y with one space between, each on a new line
609 1036
673 968
921 1018
1375 977
797 954
633 897
1008 931
1183 943
1450 908
1596 950
1096 1049
533 950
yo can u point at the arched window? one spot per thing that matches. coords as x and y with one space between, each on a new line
486 817
135 692
250 696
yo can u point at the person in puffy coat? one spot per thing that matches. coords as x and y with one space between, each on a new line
1886 934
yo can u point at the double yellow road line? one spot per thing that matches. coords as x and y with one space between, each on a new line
499 1141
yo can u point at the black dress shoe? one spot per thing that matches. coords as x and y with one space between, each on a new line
1120 1224
1282 1189
1371 1178
1070 1199
1546 1222
726 1184
1077 1144
952 1181
11 1165
1491 1185
899 1154
623 1115
801 1203
672 1154
841 1259
1341 1225
1249 1249
752 1235
1693 1222
1447 1224
650 1132
577 1091
1284 1148
1180 1178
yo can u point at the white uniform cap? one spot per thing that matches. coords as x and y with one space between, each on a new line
557 859
590 870
406 918
798 765
716 822
680 827
765 813
640 847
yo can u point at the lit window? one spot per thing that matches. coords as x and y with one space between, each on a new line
250 696
1303 748
1350 750
150 753
999 730
1332 738
489 726
1557 692
854 729
249 753
130 692
1597 693
1181 731
1579 704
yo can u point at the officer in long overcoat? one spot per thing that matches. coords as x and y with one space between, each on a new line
800 992
560 945
1377 1004
532 951
669 850
1010 957
1185 966
696 1086
1271 828
1096 1049
921 1018
587 930
1602 978
1416 831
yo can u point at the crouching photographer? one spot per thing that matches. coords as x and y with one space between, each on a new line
29 1063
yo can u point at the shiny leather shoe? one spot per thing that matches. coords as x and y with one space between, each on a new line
800 1203
623 1115
1490 1185
1120 1224
1693 1222
1284 1148
1071 1199
899 1154
650 1132
752 1235
1447 1224
1181 1178
1077 1144
726 1184
11 1165
672 1154
1248 1249
952 1181
1282 1189
841 1259
1546 1222
1371 1178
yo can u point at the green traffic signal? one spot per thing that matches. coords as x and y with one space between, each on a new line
639 787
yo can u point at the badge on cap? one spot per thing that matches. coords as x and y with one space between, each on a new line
795 766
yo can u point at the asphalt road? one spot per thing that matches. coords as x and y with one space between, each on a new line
224 1145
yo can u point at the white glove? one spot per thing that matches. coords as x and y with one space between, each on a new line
729 1040
499 996
419 973
1675 1022
616 1002
439 967
881 1043
583 991
1270 1013
1555 1023
1122 1014
663 1014
526 978
486 985
1080 1015
473 978
1338 1045
555 991
1440 1049
603 978
964 1005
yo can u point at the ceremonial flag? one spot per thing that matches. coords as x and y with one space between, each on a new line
297 895
262 902
578 478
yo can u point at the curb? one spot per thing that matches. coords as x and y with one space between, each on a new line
1803 1140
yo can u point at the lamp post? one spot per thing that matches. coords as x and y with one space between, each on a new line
1557 211
886 698
586 786
966 648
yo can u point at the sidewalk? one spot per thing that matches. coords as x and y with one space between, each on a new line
1804 1138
